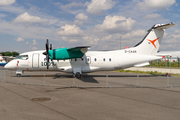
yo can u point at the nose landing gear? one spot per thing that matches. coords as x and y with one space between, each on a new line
19 73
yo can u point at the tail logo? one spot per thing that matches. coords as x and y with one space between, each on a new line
153 41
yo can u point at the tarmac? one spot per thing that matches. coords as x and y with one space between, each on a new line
50 102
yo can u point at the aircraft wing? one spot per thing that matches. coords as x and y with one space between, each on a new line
83 49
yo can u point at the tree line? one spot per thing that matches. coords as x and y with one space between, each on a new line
7 53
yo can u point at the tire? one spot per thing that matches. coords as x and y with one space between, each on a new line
78 75
18 75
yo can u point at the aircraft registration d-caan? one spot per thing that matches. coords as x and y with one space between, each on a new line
79 60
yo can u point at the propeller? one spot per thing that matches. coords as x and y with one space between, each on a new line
47 52
50 46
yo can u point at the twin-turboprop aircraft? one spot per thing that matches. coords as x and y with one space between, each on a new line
79 60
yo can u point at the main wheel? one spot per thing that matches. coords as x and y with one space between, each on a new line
78 75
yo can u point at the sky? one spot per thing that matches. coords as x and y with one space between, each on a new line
102 24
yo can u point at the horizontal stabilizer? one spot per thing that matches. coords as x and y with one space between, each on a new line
162 26
169 53
142 64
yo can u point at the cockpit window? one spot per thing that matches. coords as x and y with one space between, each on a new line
22 57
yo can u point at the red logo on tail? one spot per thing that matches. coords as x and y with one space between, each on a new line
153 41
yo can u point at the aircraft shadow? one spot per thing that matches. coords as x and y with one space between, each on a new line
84 78
87 78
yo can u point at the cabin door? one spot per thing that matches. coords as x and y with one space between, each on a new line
35 62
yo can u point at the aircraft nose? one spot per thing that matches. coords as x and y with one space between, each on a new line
6 66
9 65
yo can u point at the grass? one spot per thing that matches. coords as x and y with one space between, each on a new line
158 64
143 72
164 64
148 72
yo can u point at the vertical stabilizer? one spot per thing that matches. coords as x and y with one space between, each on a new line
151 42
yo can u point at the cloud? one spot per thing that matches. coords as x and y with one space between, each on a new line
152 16
134 33
27 42
30 32
155 4
98 6
91 39
82 16
34 48
107 37
26 18
70 5
80 19
78 22
20 39
72 8
171 41
6 2
115 24
69 30
34 42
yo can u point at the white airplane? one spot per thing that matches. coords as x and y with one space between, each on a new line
78 60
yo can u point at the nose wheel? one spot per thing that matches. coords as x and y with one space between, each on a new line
18 75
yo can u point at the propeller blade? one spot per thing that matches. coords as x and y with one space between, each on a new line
47 42
50 46
47 52
47 55
47 45
47 58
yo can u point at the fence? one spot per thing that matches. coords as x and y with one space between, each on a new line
97 79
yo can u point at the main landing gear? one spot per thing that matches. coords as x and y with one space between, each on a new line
78 75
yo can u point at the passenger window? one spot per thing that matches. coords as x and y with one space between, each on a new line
110 59
104 59
94 59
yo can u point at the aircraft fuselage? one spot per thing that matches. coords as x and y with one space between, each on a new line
90 62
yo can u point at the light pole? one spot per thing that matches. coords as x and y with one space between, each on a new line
120 42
